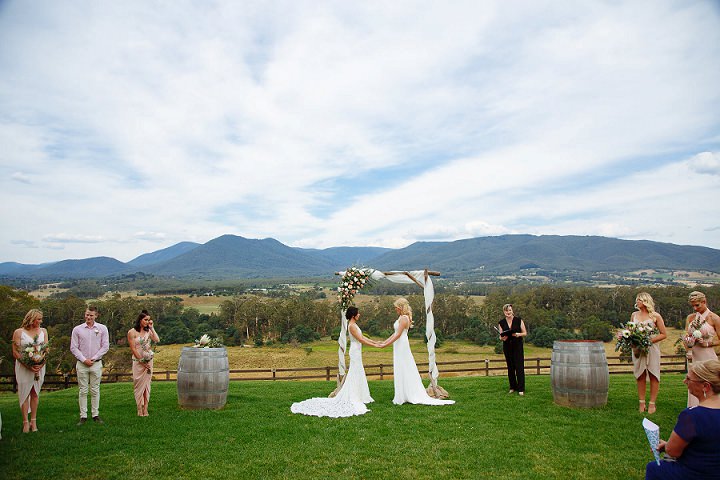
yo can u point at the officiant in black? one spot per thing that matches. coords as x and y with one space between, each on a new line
512 329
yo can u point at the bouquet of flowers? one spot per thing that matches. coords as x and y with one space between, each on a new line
147 351
353 280
698 330
32 354
206 341
634 337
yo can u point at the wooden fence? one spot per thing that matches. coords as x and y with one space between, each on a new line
479 367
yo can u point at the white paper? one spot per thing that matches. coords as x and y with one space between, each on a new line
653 435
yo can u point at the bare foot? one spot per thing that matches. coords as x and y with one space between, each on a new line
33 425
651 407
642 406
26 426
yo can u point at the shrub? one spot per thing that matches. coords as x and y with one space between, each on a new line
300 334
595 329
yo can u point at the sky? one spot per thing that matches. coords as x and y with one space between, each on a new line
127 127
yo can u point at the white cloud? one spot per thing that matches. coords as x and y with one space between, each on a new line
706 162
20 177
140 125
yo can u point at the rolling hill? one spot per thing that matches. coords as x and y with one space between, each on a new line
231 256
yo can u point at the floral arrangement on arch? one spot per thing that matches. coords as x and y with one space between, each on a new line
634 337
35 353
206 341
351 282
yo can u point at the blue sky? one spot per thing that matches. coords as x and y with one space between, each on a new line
126 127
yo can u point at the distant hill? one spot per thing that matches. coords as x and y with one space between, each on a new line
14 268
511 253
87 268
163 255
231 256
343 257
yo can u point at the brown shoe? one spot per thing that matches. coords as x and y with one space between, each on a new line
97 419
82 421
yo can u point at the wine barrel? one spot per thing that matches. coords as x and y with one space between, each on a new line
579 373
203 377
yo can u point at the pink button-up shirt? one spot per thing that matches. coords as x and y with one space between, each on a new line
90 342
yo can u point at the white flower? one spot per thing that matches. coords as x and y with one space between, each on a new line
631 324
626 333
697 334
204 340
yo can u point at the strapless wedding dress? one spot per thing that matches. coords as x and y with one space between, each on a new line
408 384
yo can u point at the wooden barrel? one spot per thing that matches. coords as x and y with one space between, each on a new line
202 379
579 373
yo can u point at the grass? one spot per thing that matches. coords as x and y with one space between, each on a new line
486 434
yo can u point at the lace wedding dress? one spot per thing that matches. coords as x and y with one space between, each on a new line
351 398
408 385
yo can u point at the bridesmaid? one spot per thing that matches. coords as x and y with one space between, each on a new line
140 338
29 378
708 323
648 365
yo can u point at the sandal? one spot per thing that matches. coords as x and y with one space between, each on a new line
33 425
651 407
642 406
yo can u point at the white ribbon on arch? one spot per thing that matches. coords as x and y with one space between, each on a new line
422 279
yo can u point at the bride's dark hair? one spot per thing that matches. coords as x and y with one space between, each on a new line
351 312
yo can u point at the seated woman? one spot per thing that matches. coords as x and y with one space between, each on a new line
694 440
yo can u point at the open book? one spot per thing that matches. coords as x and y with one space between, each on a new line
653 435
503 333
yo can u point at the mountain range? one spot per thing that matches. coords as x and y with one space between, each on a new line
231 256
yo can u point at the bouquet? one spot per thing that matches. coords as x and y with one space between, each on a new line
698 330
634 337
32 354
352 281
147 351
206 341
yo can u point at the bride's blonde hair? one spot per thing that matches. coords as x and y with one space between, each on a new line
404 307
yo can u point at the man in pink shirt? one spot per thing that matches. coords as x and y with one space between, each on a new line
89 342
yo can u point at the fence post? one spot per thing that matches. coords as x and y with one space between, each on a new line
327 374
67 380
381 371
538 365
167 375
273 373
487 367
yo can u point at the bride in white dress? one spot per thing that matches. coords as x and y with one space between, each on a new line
408 384
354 393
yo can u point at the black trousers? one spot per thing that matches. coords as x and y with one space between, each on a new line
515 360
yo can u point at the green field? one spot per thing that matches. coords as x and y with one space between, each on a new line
486 434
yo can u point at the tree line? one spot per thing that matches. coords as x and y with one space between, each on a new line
550 313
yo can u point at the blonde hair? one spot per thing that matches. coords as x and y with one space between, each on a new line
697 297
30 318
647 300
708 371
404 307
507 306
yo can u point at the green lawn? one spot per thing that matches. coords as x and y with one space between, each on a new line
486 434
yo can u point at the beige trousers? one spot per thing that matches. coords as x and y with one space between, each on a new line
89 378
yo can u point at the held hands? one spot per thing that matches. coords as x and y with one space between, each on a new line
88 362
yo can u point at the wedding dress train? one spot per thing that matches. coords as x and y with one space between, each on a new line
351 398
